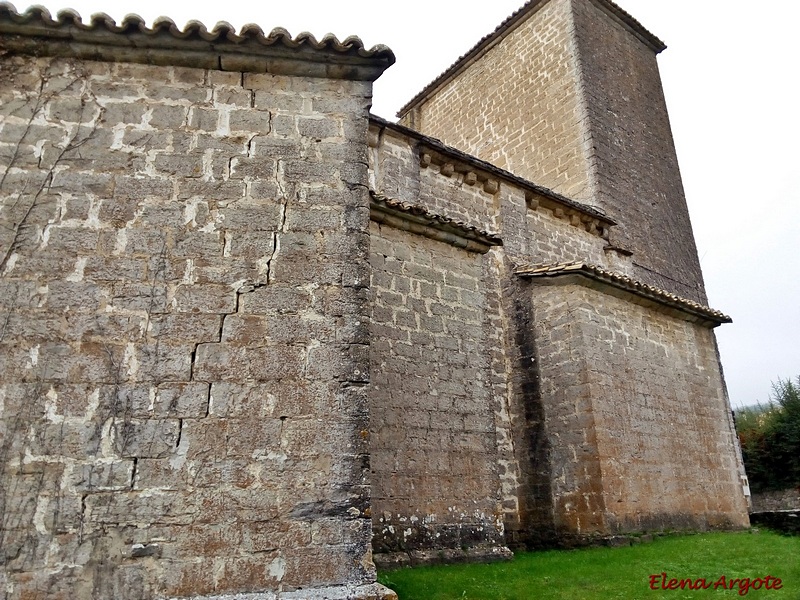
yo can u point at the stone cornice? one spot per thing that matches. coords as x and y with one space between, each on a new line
35 32
621 286
434 153
416 219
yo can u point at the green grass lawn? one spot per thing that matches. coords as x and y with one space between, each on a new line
623 573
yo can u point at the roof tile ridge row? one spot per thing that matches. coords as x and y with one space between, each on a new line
417 210
624 282
440 146
222 31
508 25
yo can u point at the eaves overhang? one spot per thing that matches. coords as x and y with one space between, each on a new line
538 194
35 32
417 219
621 286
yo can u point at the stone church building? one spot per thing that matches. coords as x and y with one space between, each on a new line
255 340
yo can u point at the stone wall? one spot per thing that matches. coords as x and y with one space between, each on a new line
638 181
532 232
636 415
529 120
775 501
435 487
194 300
579 109
183 346
534 229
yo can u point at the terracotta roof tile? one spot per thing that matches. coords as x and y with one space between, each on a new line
466 230
68 27
627 284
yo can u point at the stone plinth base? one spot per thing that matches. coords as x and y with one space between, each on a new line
393 560
373 591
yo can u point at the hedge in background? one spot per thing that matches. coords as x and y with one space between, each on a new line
770 439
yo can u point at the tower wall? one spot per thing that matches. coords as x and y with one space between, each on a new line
568 95
635 173
519 105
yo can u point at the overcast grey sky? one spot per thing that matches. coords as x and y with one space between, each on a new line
732 85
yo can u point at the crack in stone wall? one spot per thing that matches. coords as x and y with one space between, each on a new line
184 346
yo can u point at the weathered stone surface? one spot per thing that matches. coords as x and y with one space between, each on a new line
660 435
432 447
591 145
174 407
218 379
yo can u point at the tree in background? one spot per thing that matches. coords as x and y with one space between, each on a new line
770 438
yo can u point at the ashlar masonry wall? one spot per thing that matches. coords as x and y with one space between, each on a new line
535 229
183 345
634 405
567 93
536 225
519 104
638 180
435 486
584 401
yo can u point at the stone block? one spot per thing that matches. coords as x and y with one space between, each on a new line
136 507
276 148
101 184
198 244
187 577
229 362
267 99
140 188
152 438
284 125
206 298
102 476
251 121
252 215
182 400
255 168
69 439
318 128
72 241
205 119
129 113
146 298
72 110
190 166
309 172
102 269
185 327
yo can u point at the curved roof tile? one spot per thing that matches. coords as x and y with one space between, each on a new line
69 26
624 283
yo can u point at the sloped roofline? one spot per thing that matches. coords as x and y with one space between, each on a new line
510 24
37 33
688 309
418 219
478 163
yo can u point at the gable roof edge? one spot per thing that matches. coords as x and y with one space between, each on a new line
490 40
